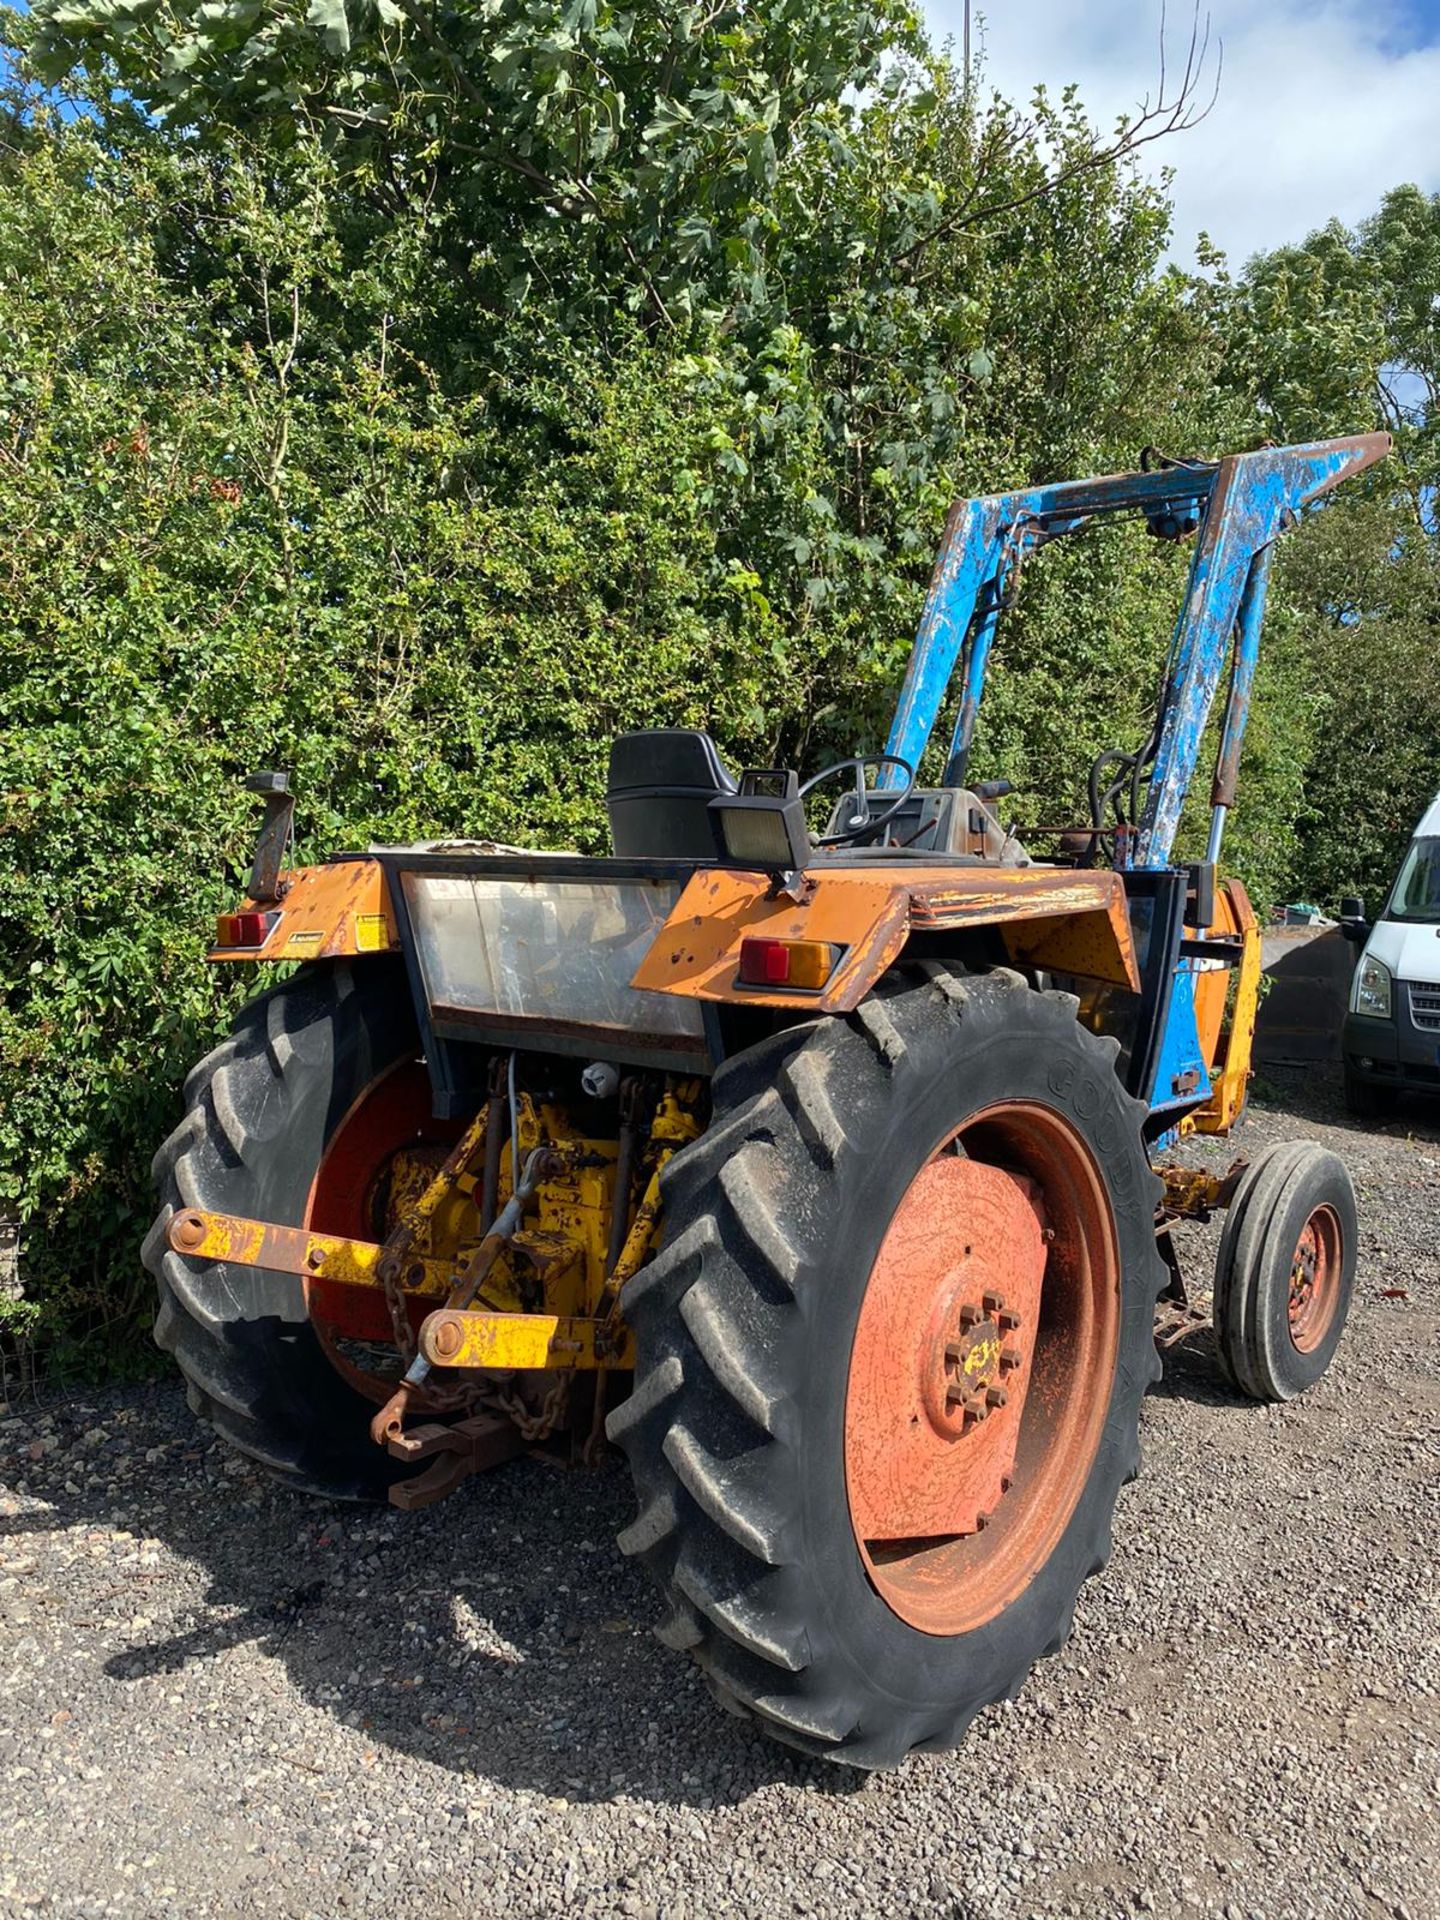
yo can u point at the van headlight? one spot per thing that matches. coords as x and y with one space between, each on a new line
1371 992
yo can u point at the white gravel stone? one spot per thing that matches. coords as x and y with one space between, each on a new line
217 1698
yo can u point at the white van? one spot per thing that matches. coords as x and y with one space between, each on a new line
1392 1031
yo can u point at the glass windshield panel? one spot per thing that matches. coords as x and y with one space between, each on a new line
1417 891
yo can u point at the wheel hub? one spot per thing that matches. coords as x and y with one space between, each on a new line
970 1374
940 1367
1314 1279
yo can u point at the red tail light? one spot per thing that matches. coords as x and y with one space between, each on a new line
806 964
244 929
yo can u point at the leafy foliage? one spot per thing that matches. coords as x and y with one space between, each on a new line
613 157
417 408
1338 335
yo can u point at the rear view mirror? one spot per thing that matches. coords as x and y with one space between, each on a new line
1353 924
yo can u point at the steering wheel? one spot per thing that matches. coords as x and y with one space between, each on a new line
865 825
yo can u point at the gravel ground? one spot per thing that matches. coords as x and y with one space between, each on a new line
221 1699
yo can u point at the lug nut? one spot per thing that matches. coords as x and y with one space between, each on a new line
976 1409
1008 1319
992 1302
954 1353
1009 1359
996 1396
970 1315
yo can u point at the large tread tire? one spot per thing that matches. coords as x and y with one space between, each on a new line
259 1110
744 1320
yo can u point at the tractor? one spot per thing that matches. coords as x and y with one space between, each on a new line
826 1166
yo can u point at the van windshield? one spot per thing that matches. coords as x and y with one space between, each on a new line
1417 891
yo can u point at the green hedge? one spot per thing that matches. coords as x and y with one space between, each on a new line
292 475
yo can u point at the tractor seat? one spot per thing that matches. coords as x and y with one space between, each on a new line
659 792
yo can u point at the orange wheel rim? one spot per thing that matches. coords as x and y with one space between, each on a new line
348 1196
981 1368
1315 1279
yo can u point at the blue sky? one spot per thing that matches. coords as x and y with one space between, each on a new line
1323 103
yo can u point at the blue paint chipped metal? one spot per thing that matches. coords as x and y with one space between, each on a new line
1236 508
1239 506
1182 1079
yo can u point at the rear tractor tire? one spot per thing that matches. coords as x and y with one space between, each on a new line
261 1112
891 1359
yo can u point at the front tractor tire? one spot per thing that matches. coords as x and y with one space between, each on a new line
261 1111
891 1359
1285 1270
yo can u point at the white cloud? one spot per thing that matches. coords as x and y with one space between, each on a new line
1324 104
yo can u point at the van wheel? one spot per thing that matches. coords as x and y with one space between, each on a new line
1367 1101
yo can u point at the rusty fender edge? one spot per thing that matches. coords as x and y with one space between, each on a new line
1056 918
330 912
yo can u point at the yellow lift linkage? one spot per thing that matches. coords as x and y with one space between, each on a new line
496 1341
573 1191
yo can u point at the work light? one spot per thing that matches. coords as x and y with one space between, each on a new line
762 827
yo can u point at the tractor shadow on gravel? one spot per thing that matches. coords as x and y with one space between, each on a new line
499 1636
1193 1371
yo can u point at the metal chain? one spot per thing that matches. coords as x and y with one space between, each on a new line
434 1399
533 1426
399 1313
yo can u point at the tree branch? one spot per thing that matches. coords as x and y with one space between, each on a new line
1155 122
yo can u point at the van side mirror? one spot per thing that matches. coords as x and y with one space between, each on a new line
1353 924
